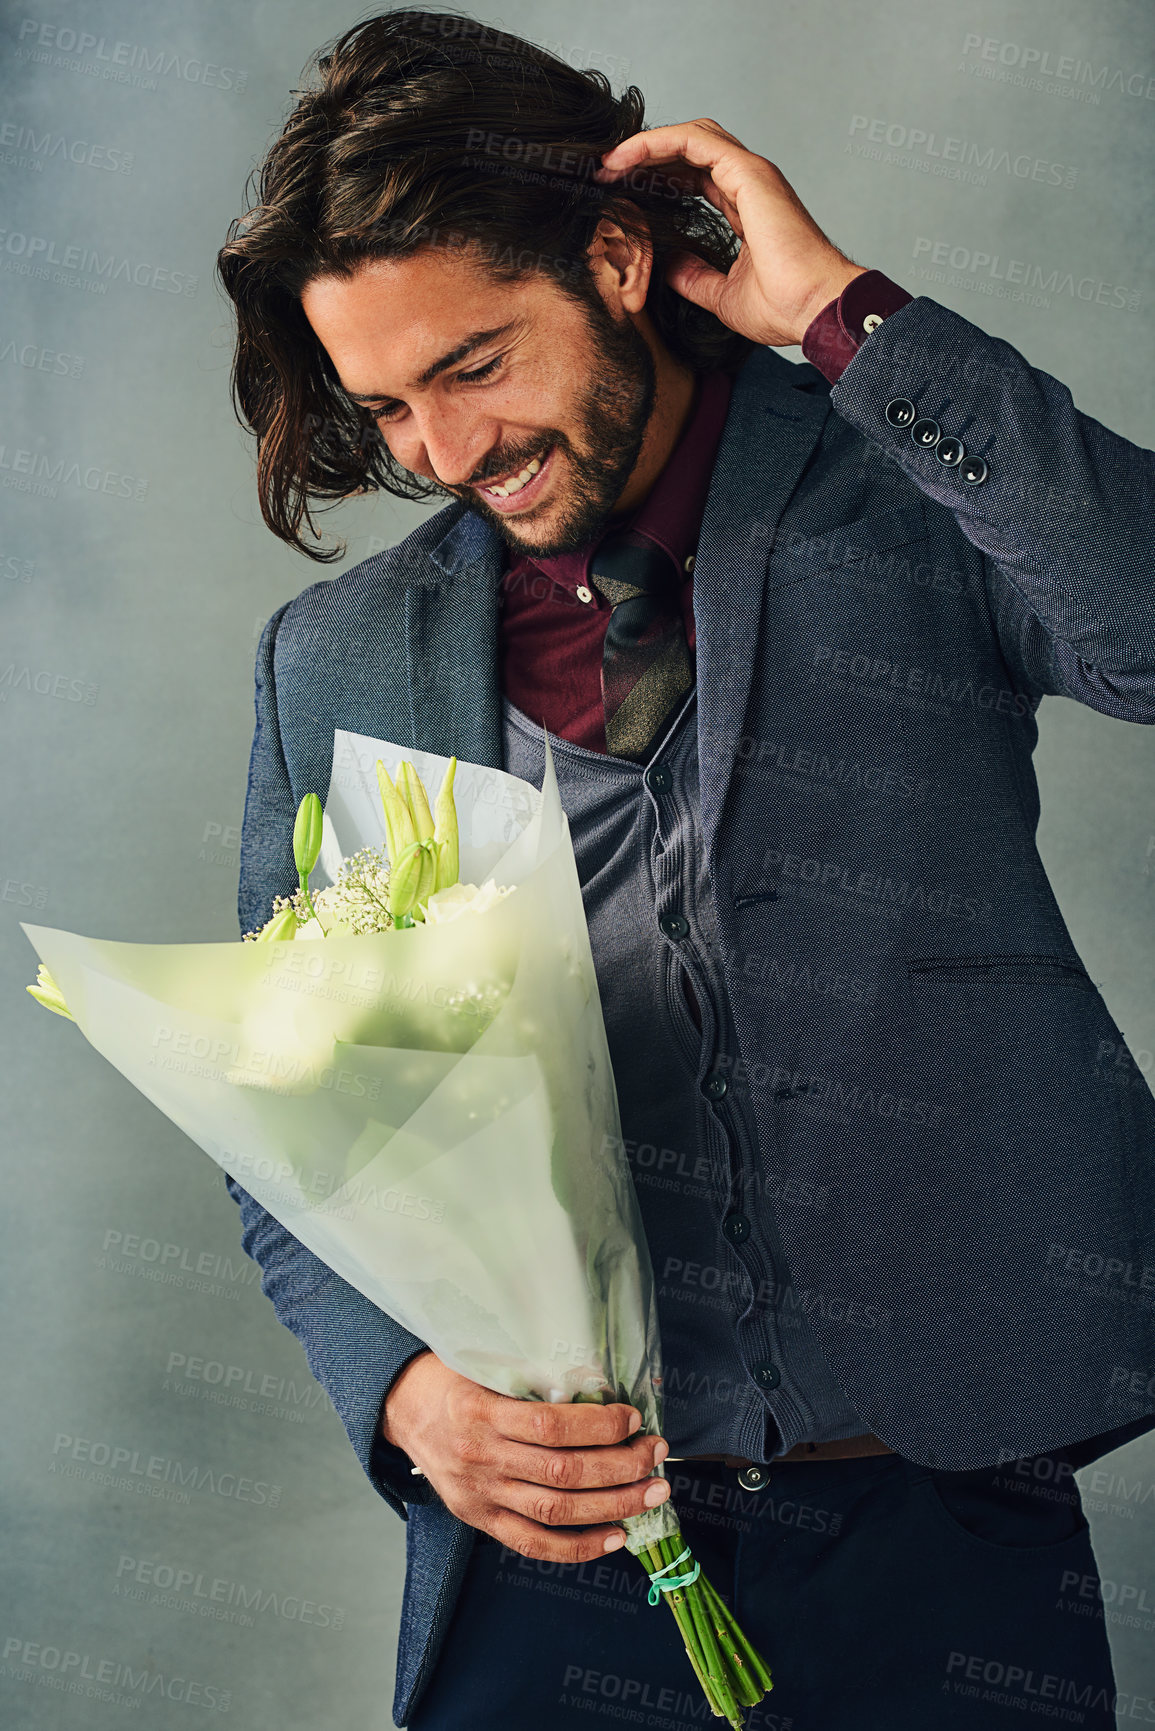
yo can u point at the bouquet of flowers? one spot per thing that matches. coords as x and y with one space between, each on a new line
410 1072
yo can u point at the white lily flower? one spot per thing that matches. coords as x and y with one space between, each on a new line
457 899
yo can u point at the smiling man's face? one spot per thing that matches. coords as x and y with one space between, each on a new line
560 389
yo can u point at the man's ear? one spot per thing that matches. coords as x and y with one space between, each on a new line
621 256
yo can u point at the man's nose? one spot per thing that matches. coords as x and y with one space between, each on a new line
453 449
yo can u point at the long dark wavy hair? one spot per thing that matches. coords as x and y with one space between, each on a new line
424 129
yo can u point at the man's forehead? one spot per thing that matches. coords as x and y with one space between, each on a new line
419 313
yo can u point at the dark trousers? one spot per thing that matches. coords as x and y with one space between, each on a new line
884 1595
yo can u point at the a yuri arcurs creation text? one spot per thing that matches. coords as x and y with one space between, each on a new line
410 1072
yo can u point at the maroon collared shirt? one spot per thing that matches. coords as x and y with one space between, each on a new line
553 621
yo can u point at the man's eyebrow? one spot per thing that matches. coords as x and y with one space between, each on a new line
475 340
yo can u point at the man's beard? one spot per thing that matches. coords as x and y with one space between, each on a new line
613 414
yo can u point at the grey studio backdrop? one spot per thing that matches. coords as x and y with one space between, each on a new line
996 157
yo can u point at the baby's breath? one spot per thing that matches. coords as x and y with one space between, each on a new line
356 901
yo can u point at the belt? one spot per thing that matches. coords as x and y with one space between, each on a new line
755 1474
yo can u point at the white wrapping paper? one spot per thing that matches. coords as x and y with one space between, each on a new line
430 1110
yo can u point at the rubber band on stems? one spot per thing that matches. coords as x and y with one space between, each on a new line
658 1586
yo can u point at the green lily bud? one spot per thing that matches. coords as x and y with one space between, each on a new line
48 993
445 832
414 792
404 878
307 834
307 843
281 926
399 831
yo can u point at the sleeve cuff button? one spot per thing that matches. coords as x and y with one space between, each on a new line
900 412
974 471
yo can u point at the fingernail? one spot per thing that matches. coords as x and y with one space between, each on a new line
656 1494
635 1424
614 1542
661 1452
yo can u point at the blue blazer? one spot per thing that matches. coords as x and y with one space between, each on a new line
920 1040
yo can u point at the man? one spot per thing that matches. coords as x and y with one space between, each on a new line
789 641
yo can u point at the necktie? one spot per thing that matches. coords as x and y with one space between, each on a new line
646 668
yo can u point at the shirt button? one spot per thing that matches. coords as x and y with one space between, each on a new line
871 322
736 1227
674 925
714 1085
584 593
767 1375
900 412
658 778
688 565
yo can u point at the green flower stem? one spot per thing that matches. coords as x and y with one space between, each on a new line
755 1670
308 901
693 1626
713 1661
655 1558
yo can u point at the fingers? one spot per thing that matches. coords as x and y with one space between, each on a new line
580 1469
702 145
570 1424
555 1545
550 1508
698 142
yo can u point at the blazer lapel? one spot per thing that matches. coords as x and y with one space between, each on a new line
770 432
451 618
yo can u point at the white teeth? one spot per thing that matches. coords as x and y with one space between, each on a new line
516 482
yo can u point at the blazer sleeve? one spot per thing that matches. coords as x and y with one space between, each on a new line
1064 519
354 1350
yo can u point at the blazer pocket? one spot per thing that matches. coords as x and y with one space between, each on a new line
1003 969
850 548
